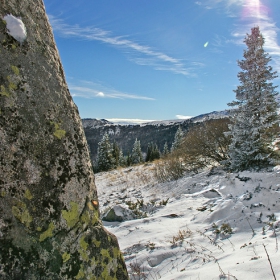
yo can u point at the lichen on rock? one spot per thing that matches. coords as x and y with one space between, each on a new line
49 216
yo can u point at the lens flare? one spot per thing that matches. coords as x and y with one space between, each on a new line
254 9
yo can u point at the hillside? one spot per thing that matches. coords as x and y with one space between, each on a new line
158 132
190 237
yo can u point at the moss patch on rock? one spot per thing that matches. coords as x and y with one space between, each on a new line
22 214
3 91
28 194
47 233
58 133
71 216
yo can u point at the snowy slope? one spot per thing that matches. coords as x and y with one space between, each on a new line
178 240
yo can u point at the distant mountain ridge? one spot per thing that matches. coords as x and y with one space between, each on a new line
89 122
124 135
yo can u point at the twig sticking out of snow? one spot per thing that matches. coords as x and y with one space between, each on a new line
16 28
250 226
275 235
269 262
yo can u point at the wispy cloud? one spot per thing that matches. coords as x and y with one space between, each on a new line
158 60
218 41
229 7
91 90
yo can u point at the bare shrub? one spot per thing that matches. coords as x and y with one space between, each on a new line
205 145
181 236
137 271
169 169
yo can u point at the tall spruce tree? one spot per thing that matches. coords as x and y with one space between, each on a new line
177 139
105 160
116 153
254 114
165 151
152 152
122 159
136 155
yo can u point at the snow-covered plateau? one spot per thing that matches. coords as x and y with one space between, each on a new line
210 225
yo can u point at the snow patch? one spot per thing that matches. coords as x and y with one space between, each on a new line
213 226
277 169
16 28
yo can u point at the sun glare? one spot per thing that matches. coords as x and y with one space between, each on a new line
253 9
255 2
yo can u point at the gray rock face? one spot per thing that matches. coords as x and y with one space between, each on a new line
49 215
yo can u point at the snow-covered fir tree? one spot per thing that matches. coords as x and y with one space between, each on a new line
177 139
254 113
105 160
136 155
165 149
122 159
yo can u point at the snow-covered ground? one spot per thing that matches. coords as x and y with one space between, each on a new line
189 237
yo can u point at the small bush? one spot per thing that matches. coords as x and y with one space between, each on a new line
272 217
181 236
170 169
150 245
225 228
137 208
164 202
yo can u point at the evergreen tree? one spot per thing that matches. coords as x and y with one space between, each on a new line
116 153
149 151
177 139
128 159
136 155
165 149
255 118
155 152
152 152
122 159
105 159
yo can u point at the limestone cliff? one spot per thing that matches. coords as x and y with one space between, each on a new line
49 214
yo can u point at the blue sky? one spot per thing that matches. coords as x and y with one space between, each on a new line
157 59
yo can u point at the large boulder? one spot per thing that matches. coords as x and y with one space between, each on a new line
118 213
49 215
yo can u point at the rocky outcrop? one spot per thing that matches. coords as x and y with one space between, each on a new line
49 214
